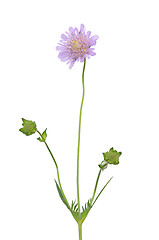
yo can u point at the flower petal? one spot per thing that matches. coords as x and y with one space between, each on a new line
82 28
64 37
93 40
71 64
88 34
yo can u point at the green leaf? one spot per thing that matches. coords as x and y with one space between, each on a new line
74 206
76 216
29 127
40 139
74 210
61 195
44 135
112 157
101 191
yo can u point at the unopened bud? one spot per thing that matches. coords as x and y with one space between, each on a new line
103 165
28 128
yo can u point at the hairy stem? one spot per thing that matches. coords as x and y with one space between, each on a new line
79 132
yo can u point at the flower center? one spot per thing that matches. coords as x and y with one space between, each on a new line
76 45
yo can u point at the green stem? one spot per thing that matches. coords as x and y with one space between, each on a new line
80 231
79 132
95 186
58 176
102 191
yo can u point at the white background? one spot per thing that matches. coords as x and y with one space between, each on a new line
120 110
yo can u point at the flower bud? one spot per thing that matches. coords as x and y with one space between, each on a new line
112 157
28 128
103 165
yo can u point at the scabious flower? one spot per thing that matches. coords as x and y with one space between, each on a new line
76 45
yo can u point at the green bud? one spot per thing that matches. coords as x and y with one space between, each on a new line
103 165
112 157
28 128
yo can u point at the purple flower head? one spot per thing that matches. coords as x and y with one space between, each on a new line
76 45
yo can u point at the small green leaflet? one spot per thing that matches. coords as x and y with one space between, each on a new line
43 136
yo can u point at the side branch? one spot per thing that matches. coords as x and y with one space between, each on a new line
58 176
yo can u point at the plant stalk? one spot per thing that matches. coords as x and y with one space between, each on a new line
58 176
80 231
95 186
78 148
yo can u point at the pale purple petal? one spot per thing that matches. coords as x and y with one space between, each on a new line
76 30
59 48
82 28
71 30
93 40
81 59
64 37
63 56
71 64
91 53
88 34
